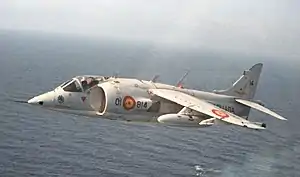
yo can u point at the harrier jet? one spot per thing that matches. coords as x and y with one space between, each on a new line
133 99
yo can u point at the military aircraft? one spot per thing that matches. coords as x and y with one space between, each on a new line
133 99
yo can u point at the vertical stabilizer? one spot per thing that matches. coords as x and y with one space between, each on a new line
245 86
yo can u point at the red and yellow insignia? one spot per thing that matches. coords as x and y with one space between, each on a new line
128 102
219 113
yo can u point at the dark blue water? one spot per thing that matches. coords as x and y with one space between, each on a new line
39 142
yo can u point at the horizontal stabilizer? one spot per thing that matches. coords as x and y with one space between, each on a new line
260 108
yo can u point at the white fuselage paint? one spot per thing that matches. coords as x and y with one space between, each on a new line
138 89
118 88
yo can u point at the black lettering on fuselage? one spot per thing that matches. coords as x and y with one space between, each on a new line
118 101
225 107
141 104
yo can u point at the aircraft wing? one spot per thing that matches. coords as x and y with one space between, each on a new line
260 108
203 107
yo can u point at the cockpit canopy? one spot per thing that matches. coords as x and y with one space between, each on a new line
82 83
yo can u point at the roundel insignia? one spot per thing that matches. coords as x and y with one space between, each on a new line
128 102
219 113
60 99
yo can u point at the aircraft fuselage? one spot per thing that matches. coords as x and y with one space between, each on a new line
131 96
126 96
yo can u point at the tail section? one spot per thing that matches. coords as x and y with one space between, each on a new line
245 86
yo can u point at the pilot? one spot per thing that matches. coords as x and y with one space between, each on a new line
93 83
84 84
90 82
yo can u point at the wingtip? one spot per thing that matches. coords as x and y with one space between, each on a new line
279 117
284 119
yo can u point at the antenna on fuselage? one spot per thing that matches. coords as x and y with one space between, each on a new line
154 79
180 82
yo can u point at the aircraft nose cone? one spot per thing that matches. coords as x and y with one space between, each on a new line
34 100
42 99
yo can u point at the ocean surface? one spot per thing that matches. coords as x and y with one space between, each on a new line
38 142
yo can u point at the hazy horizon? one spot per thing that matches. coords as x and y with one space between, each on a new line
254 28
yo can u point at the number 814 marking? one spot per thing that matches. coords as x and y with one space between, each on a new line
141 105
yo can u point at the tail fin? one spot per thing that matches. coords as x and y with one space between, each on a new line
245 86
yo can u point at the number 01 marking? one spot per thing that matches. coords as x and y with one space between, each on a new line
118 101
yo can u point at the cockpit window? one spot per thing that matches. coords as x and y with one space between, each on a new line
72 87
65 83
89 82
